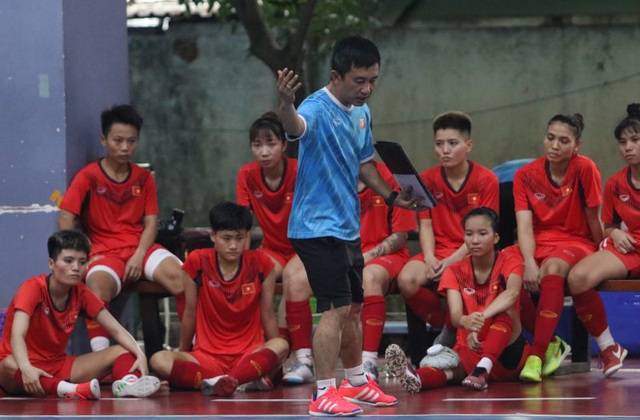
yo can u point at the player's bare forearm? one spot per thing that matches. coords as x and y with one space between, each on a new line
389 245
371 177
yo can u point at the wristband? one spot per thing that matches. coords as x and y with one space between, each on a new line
391 198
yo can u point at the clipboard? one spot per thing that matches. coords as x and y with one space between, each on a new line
403 171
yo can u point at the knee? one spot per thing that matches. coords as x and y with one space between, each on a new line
171 278
373 285
160 363
577 281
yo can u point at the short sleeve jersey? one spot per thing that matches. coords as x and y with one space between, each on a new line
378 220
111 211
49 328
622 202
479 189
558 210
476 297
272 208
335 142
228 312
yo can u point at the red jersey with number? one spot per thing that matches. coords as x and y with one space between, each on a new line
377 220
228 312
271 207
479 189
622 202
49 328
475 296
558 210
111 211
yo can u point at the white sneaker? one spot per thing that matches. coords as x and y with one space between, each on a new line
132 386
399 365
263 383
298 374
440 357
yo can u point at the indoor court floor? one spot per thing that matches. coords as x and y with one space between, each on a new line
568 396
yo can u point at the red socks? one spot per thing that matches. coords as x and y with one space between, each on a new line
425 303
591 311
432 378
122 365
189 375
527 311
255 365
50 385
498 335
374 312
548 313
94 329
300 324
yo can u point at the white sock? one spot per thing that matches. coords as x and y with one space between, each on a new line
65 387
356 376
449 374
322 385
99 343
485 363
304 356
605 339
371 356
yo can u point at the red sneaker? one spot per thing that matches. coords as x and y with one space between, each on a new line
222 385
368 393
85 391
332 403
612 358
478 379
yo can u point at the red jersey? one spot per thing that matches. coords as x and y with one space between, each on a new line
479 189
622 202
228 312
272 208
377 220
112 212
558 210
476 297
49 329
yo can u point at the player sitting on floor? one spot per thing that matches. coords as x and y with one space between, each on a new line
229 305
40 320
482 293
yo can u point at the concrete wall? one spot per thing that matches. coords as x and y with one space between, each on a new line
511 81
61 67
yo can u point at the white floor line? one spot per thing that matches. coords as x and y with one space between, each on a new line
260 400
522 399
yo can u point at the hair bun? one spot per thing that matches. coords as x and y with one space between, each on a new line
633 110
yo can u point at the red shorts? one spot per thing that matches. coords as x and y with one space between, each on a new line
469 359
60 368
114 262
392 263
440 254
631 260
221 364
570 252
281 257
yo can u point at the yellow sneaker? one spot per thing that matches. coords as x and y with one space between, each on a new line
532 371
556 352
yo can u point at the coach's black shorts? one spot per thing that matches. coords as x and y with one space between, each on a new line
334 268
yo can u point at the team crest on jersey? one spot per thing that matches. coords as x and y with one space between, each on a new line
378 201
363 123
494 287
136 190
539 196
47 310
624 197
473 198
469 291
248 288
566 190
438 195
288 197
101 190
258 194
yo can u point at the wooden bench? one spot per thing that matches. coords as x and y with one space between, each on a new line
580 338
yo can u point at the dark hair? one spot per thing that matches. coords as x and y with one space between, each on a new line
631 121
123 114
230 216
575 121
67 239
486 212
268 121
354 51
452 119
